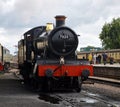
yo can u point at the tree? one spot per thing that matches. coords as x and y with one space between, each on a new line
110 35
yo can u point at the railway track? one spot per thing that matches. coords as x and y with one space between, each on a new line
101 99
76 100
104 80
72 99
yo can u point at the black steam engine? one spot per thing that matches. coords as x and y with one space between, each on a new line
47 57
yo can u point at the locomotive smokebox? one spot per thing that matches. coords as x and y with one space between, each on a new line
60 20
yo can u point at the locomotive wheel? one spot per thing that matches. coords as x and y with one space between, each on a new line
26 80
27 83
78 89
77 83
33 84
49 85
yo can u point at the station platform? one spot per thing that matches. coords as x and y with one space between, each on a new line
107 65
107 71
105 79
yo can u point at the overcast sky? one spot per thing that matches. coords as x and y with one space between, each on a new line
86 17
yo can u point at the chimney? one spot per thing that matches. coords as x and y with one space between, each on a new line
60 20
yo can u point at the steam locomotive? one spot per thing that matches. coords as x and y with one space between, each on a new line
47 58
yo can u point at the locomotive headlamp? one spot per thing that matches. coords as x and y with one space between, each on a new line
62 61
